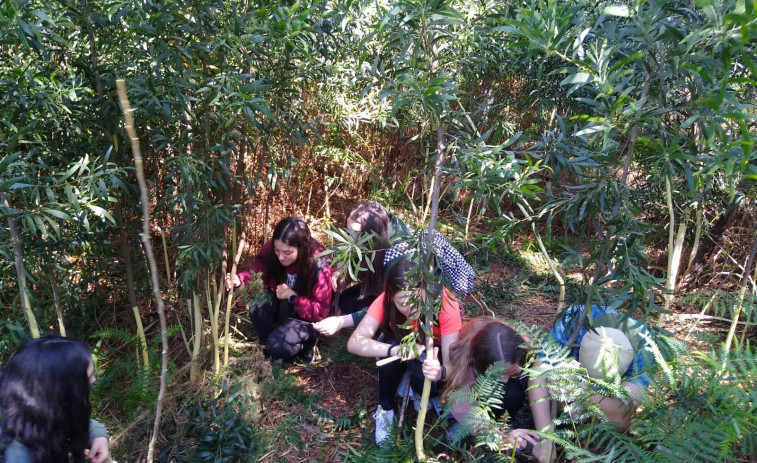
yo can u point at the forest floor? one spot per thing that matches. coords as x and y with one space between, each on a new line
345 386
322 412
335 422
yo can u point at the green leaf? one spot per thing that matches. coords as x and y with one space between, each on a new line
617 10
56 213
578 78
102 213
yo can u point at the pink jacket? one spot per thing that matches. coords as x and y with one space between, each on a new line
311 307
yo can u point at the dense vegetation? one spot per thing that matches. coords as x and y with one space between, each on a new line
613 139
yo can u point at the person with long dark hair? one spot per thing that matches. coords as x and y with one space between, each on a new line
45 408
386 315
352 298
299 289
390 242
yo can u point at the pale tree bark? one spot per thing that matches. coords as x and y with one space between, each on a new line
742 293
144 200
18 260
675 247
56 299
439 162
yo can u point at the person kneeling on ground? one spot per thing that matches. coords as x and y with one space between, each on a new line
299 291
352 300
608 330
483 342
394 307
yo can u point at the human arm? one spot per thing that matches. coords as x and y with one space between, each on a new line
332 325
99 446
262 264
538 394
618 411
432 367
361 341
315 306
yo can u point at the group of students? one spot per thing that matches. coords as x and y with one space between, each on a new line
307 298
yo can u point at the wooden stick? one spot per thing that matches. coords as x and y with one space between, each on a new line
386 360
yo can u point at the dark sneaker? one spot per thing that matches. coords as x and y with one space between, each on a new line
308 356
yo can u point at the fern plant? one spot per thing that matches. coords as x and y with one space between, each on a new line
123 379
698 408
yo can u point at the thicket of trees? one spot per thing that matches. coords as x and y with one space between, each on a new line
620 135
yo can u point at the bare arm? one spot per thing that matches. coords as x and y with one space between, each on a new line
542 414
617 410
332 325
362 343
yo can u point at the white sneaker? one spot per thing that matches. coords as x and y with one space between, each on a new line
384 422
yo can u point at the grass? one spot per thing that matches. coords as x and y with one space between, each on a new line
322 412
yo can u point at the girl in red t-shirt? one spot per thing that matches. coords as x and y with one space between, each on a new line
386 315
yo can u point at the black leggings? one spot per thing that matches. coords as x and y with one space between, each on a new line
348 301
390 376
284 334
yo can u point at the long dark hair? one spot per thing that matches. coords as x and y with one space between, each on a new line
483 341
372 218
44 395
398 278
293 231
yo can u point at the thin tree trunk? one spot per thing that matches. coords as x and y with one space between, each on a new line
675 246
214 307
742 293
748 322
144 200
467 221
229 300
196 338
440 151
707 247
18 260
56 298
697 236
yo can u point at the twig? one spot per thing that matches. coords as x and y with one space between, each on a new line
386 360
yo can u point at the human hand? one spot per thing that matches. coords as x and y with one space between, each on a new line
544 451
100 450
409 354
329 326
522 438
237 282
432 369
283 291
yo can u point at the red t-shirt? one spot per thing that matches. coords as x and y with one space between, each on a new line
449 317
